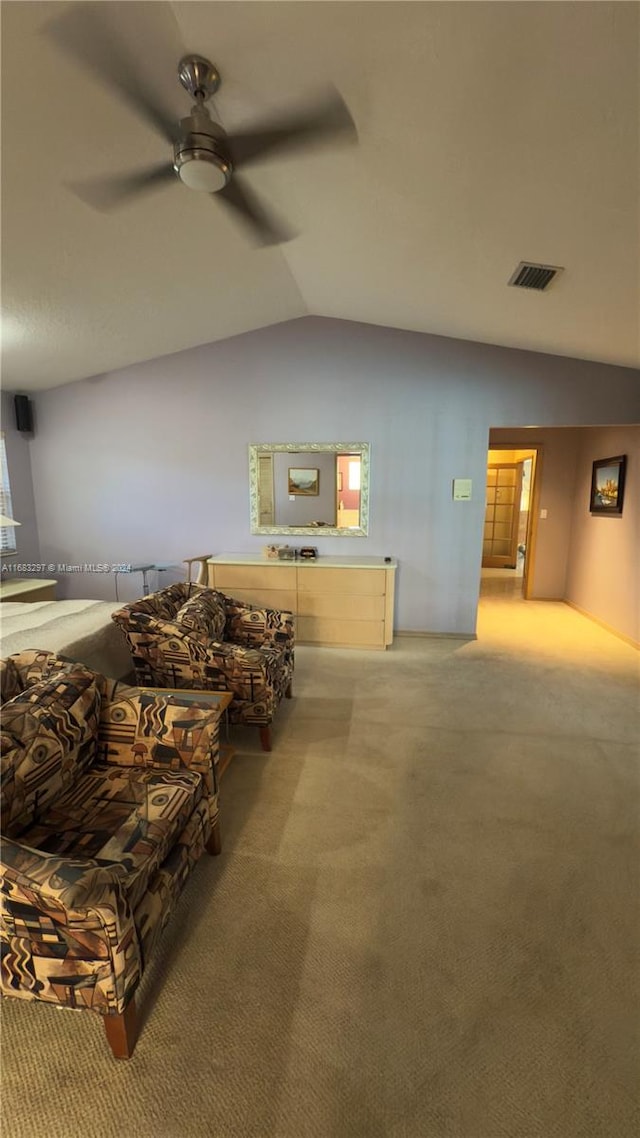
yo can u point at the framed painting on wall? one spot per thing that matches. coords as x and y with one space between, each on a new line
607 485
304 480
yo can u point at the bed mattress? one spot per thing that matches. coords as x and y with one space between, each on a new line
82 630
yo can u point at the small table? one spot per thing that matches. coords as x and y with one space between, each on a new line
160 566
28 589
219 699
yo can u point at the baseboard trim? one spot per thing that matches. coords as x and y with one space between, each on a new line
603 624
436 635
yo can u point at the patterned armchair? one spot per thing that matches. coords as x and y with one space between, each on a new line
109 797
184 636
24 669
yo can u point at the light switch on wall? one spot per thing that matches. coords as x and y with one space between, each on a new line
462 489
543 514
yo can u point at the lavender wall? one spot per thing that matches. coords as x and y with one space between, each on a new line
151 462
603 571
22 498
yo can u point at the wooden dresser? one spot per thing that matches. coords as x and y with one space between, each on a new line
338 601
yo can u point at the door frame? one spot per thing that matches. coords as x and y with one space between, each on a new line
534 505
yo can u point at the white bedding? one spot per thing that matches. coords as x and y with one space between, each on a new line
81 630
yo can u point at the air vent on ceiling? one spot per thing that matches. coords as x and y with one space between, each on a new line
529 275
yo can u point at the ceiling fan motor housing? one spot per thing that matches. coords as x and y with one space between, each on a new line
200 157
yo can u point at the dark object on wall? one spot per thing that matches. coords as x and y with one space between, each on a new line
607 485
24 413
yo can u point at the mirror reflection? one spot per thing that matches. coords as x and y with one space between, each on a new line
309 488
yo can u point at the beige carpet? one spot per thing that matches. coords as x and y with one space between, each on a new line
423 925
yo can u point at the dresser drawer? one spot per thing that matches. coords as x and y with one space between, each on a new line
282 599
364 582
341 606
229 577
348 633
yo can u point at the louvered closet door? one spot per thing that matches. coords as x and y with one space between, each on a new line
266 497
500 543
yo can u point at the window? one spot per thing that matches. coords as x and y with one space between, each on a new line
354 474
7 533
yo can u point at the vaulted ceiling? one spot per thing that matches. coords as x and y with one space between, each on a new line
489 133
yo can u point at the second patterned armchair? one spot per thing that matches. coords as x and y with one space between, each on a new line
109 796
185 636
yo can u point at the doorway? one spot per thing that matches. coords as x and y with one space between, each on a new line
508 535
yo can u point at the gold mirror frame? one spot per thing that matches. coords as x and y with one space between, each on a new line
255 449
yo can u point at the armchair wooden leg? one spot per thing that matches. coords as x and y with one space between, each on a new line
289 692
122 1031
214 845
265 738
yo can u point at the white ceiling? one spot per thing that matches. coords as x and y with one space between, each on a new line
489 133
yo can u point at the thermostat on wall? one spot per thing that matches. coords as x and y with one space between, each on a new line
462 489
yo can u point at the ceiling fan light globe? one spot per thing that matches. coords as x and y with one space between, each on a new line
202 170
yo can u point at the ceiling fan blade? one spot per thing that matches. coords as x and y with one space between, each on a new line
92 34
107 193
329 119
266 229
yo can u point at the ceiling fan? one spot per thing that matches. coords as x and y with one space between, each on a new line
205 157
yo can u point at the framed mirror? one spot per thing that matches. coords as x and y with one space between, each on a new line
313 489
